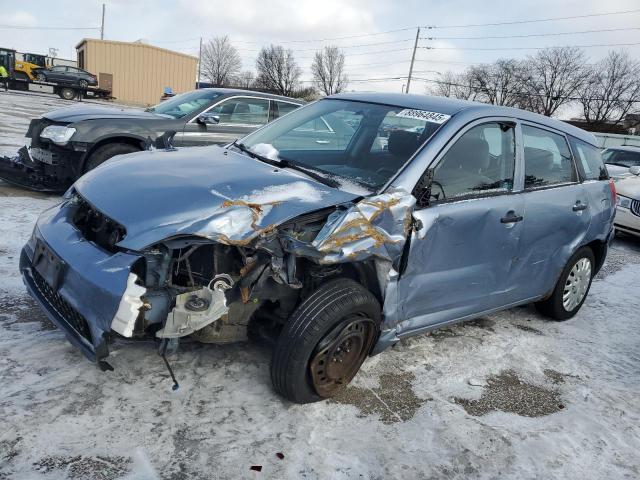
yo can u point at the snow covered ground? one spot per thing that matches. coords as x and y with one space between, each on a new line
511 395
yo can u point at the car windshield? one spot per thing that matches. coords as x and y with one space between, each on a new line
185 103
357 142
622 158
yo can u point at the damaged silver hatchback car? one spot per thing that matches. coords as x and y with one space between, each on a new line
333 233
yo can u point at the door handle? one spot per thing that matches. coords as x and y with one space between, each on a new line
322 142
579 206
511 217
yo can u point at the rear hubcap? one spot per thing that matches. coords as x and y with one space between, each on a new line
575 288
340 354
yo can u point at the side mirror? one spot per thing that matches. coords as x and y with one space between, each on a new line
208 119
422 190
635 170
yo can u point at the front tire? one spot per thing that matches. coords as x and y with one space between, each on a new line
105 152
41 77
572 287
325 341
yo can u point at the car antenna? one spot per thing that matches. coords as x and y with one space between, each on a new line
162 351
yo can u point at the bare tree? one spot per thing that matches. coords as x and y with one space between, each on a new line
454 85
220 61
277 70
328 70
612 90
499 83
552 77
245 79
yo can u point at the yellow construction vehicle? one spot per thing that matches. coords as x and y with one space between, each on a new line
26 63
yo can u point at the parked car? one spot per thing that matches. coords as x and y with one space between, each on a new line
620 159
69 142
628 205
64 74
330 255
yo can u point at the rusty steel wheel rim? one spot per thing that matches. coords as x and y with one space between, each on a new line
340 353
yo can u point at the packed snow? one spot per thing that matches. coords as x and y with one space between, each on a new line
510 395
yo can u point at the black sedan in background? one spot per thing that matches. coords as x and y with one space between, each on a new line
68 142
66 75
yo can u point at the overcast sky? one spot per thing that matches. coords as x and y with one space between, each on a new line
251 24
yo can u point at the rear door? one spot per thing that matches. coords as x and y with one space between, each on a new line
461 256
557 209
237 116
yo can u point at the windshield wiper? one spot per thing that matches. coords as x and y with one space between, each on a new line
285 163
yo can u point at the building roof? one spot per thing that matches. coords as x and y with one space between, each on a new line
452 106
134 44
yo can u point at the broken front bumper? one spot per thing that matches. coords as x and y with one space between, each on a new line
41 170
79 286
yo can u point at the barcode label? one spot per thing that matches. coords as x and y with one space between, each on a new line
433 117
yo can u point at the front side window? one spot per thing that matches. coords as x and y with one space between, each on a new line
481 161
337 138
242 111
547 158
185 103
59 69
590 160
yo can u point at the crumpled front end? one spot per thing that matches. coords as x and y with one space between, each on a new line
42 166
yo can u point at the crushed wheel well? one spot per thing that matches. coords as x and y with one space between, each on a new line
135 142
599 249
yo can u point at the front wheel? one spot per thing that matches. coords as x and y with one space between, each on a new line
572 287
41 77
326 340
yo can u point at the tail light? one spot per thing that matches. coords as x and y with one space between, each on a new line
614 194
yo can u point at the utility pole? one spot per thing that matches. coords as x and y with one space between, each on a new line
413 58
199 62
102 24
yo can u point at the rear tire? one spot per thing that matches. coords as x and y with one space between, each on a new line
572 288
326 340
67 93
105 152
83 83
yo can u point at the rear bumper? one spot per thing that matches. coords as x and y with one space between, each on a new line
54 172
91 285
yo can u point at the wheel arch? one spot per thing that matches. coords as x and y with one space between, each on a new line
134 141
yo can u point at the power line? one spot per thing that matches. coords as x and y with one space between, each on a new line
528 35
556 97
539 20
404 29
21 27
534 48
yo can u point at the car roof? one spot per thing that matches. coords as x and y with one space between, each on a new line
625 148
238 91
452 106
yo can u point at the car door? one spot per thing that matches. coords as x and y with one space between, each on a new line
236 117
466 240
557 209
57 74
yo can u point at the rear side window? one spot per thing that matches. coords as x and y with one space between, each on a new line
547 158
589 160
285 107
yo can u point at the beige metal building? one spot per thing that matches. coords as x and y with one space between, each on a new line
135 72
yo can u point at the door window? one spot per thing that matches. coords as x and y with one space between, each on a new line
285 107
590 160
243 111
547 158
59 69
481 161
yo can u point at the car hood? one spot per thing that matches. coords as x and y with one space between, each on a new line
95 112
204 191
629 186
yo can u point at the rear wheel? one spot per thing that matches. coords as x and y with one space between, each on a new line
324 343
67 93
105 152
83 83
572 287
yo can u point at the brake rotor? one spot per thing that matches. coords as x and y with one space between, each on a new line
340 354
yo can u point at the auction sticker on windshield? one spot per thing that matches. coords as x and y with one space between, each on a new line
434 117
